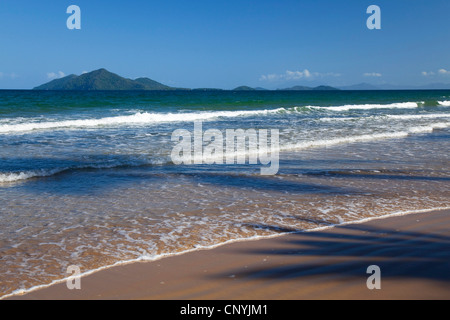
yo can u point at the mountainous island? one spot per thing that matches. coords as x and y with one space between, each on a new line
102 79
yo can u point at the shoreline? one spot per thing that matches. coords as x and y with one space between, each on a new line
58 289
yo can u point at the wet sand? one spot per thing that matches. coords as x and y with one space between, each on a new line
412 251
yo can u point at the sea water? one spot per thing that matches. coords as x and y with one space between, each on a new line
87 179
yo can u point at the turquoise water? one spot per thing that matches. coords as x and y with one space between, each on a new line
20 103
87 178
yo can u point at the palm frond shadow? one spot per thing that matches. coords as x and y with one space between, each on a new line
350 251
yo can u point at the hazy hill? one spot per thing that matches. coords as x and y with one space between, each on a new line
325 88
303 88
386 86
360 86
244 88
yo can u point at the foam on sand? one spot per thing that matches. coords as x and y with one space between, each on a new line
145 258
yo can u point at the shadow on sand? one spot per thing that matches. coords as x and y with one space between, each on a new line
347 250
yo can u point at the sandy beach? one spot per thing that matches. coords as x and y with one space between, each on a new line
412 251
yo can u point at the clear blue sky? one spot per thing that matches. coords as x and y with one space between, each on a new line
224 44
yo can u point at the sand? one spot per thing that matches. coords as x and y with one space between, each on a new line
412 252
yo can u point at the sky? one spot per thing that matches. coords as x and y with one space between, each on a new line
227 43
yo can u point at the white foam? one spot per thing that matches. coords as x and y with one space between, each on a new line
220 158
365 137
390 116
138 118
17 176
418 116
142 118
400 105
444 103
24 175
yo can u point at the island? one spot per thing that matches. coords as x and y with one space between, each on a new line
102 79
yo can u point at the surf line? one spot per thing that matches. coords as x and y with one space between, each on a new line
238 145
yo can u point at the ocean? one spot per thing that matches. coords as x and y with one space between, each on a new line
88 179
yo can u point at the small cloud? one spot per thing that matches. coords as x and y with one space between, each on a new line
440 72
296 75
372 74
330 74
53 75
84 72
270 77
11 75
